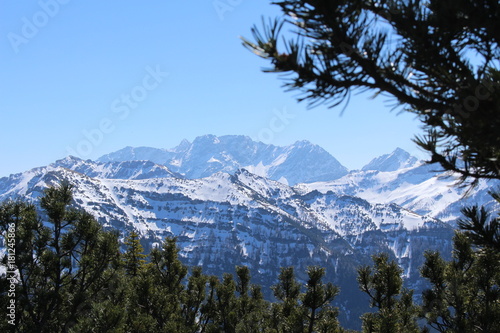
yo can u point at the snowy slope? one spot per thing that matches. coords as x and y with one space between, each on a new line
141 169
420 188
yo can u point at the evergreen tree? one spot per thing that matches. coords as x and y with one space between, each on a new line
195 297
139 286
250 304
304 312
64 264
383 284
317 299
258 318
227 316
209 320
154 297
109 311
465 295
438 59
142 302
243 287
22 231
164 288
287 315
480 227
134 259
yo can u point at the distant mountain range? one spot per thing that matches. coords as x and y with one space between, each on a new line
209 154
232 201
397 177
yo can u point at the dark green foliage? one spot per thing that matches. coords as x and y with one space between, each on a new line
317 299
288 316
209 317
465 294
167 266
233 306
226 303
310 311
480 227
395 309
134 259
194 298
161 288
63 267
140 301
251 307
105 316
437 59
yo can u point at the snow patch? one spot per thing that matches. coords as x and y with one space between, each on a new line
213 160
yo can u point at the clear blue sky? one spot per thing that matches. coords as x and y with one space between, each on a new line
91 77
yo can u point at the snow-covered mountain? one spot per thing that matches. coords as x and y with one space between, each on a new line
142 169
208 154
394 193
242 219
228 201
396 178
398 159
154 205
416 186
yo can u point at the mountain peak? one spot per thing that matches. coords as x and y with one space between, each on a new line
207 138
301 143
398 159
183 146
70 159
